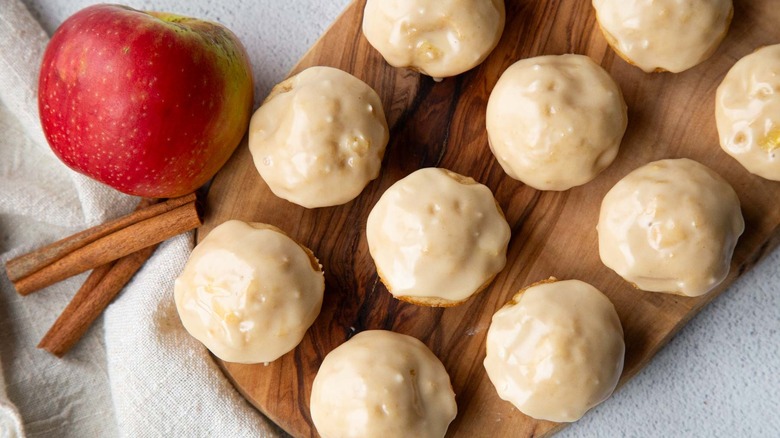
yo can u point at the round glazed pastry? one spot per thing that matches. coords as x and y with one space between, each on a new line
664 35
747 111
670 226
319 137
436 38
555 122
437 238
555 350
382 384
248 292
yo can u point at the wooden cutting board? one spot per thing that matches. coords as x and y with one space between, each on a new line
553 234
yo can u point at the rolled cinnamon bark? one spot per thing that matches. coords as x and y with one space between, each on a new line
27 264
115 245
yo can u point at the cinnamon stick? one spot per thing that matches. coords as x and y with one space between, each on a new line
102 286
112 246
28 264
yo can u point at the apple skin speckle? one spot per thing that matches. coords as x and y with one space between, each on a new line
129 97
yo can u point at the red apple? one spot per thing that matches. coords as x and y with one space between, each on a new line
150 103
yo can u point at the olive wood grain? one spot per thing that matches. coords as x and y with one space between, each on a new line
554 234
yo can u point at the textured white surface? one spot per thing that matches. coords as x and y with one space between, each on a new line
718 377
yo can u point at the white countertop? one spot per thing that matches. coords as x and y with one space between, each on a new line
719 377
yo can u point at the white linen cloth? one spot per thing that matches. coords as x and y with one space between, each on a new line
137 373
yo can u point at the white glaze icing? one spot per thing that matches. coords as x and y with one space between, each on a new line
319 137
382 384
556 350
664 35
438 236
555 122
248 292
747 111
670 226
440 38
